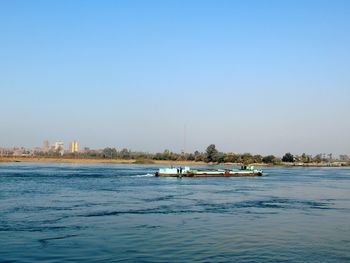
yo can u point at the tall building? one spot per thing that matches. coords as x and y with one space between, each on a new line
59 145
46 146
74 147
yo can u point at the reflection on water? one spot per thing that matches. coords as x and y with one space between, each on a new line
84 212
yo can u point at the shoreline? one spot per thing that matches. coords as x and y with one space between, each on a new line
91 160
8 159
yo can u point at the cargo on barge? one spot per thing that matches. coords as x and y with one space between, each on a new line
188 172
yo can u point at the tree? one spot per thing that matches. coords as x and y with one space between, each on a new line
247 158
189 157
288 157
231 158
211 153
305 158
125 153
330 157
257 158
318 158
199 157
343 157
269 159
220 157
109 152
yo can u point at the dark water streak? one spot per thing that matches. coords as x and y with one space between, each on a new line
119 213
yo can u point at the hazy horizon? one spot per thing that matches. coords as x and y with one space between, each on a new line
264 77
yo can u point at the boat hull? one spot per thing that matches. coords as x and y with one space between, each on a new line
238 174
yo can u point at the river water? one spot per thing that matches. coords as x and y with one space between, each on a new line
117 213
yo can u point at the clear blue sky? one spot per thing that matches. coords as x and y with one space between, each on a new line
249 76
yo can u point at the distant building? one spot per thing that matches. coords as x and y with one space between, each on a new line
46 146
37 150
59 147
22 152
74 147
86 149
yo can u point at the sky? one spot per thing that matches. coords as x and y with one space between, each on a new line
264 77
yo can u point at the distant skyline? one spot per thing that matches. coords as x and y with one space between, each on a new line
264 77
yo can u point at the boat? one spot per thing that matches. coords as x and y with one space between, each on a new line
188 172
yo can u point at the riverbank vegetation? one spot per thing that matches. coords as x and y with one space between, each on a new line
211 155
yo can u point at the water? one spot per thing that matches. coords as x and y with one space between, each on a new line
100 212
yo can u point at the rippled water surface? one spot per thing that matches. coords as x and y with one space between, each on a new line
91 213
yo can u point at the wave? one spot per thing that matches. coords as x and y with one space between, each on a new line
277 204
143 175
